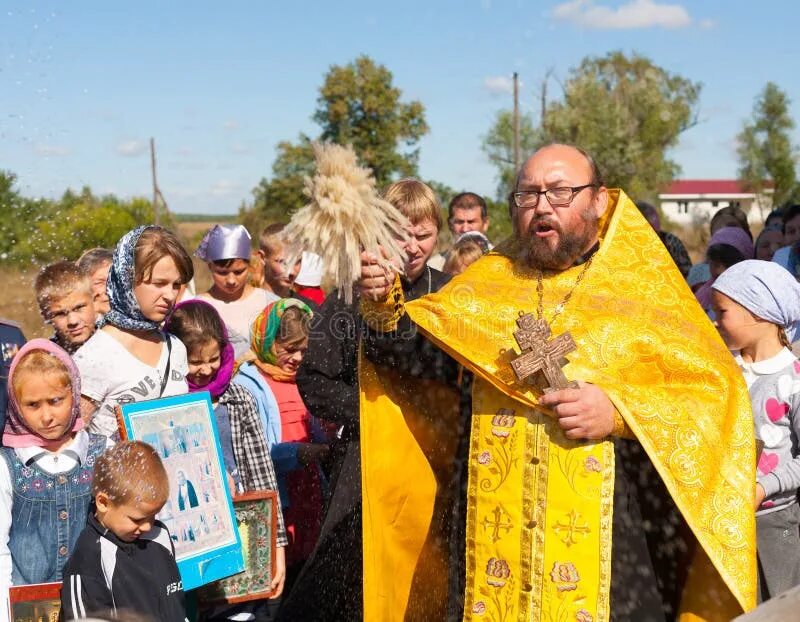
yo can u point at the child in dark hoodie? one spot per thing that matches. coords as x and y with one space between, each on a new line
124 559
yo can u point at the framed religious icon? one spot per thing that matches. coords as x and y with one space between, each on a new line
258 523
199 512
32 603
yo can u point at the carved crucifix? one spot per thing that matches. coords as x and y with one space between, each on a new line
540 354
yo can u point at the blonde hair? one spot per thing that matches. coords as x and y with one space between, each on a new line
256 270
784 339
39 362
294 327
153 245
57 280
415 200
94 258
461 256
131 471
271 238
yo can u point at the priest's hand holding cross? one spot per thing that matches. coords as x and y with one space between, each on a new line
583 413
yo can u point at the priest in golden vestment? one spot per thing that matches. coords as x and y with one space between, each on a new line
627 495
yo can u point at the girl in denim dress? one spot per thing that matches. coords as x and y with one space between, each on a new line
47 466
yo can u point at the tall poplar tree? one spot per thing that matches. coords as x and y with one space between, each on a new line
765 148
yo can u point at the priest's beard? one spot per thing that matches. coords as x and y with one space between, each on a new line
537 253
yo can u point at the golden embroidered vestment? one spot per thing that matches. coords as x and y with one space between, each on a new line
539 506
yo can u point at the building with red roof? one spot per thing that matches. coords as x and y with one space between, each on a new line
694 201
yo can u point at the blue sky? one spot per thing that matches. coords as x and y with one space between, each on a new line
83 85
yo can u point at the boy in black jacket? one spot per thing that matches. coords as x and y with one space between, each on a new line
124 559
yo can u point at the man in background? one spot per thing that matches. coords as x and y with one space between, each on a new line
466 212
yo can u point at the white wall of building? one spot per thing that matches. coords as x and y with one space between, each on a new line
697 209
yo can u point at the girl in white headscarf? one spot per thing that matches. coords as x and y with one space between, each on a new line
756 303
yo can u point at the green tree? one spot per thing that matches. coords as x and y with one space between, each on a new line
63 229
19 215
357 105
10 204
499 220
627 112
443 192
765 149
498 145
275 199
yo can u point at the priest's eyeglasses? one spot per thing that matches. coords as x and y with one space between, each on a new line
557 197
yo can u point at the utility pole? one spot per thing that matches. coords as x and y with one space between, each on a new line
543 112
157 196
516 122
543 105
155 183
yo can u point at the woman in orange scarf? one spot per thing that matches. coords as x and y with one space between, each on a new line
279 339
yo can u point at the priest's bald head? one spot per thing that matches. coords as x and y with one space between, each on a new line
557 202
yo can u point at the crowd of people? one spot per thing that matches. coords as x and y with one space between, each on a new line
417 477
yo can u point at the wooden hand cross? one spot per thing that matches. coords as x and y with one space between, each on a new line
541 355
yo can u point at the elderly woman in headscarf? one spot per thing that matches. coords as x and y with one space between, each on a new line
278 342
727 247
728 216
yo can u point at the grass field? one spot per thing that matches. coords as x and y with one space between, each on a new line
18 302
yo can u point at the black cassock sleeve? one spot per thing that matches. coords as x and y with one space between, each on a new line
328 376
405 349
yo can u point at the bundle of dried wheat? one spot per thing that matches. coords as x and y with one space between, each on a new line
344 217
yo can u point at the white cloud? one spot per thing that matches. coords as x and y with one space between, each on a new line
131 148
230 125
497 85
634 14
224 187
240 149
707 23
48 151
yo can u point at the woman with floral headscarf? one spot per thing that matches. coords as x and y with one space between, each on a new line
278 341
130 359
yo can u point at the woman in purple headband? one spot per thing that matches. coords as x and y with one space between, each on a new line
727 247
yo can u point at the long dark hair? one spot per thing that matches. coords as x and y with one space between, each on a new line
195 323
